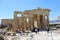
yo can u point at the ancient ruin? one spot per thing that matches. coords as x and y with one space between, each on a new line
29 19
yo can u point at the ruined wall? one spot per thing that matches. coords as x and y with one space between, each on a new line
6 21
28 19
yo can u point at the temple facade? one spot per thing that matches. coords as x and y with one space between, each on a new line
29 19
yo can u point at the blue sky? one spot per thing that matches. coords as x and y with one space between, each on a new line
7 7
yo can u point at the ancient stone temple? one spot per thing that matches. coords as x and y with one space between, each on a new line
28 19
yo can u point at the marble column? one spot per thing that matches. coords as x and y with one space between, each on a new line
38 20
15 22
47 21
43 24
31 21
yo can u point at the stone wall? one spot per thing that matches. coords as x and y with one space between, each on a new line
29 19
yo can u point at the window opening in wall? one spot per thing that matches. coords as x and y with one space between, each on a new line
19 15
35 24
45 17
27 19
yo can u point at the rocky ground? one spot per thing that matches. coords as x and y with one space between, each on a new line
43 35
